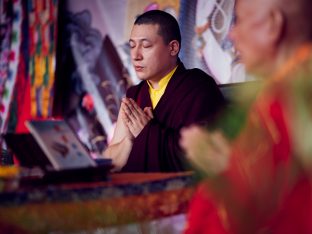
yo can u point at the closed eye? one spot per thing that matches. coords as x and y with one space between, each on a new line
131 44
147 46
146 43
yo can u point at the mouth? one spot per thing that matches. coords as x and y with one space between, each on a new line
138 68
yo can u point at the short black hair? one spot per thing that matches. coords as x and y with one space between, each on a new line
168 26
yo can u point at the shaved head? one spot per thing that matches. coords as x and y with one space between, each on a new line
266 32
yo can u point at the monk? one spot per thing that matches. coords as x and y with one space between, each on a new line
260 182
169 97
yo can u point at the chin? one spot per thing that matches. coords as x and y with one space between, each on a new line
142 77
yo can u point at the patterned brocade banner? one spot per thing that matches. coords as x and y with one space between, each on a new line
11 19
28 48
42 17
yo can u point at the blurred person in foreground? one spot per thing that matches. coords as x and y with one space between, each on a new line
260 182
168 98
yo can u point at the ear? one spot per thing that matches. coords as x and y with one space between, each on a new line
276 26
174 47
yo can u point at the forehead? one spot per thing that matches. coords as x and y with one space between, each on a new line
146 31
242 6
246 7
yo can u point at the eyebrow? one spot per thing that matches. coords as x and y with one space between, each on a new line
140 40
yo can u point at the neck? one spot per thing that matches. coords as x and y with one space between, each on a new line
293 57
279 59
155 81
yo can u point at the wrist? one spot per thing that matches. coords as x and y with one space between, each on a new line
128 141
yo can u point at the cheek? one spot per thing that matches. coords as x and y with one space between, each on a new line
153 58
251 41
152 54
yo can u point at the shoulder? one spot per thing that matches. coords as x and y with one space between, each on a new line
199 78
201 86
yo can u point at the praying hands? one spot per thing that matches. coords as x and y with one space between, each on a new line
134 117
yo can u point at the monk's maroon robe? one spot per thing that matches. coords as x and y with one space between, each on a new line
191 96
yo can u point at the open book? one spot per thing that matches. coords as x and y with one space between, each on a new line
60 144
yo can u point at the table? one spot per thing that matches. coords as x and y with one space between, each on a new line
123 199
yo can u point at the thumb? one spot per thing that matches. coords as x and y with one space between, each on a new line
149 112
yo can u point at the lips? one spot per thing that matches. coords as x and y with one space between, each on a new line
138 68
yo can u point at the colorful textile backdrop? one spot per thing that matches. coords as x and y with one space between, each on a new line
27 61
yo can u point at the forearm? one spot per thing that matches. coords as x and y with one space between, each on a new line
119 153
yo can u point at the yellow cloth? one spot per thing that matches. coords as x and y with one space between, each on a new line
156 94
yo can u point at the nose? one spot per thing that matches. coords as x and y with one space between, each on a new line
136 53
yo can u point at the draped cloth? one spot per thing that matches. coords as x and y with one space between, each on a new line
191 96
267 187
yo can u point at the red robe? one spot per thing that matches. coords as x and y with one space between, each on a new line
266 188
191 96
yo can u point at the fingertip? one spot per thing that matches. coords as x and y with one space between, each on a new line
132 101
